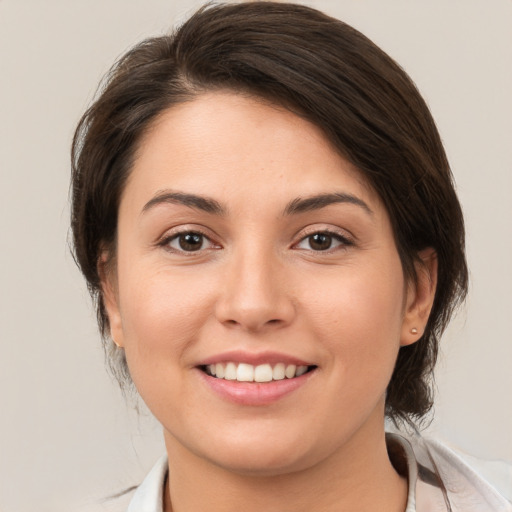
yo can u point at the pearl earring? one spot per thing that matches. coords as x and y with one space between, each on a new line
414 330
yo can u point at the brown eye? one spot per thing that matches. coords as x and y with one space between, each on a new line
323 241
320 241
188 242
191 241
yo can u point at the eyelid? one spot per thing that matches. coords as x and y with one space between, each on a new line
174 233
346 239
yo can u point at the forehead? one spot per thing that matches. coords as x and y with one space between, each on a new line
221 139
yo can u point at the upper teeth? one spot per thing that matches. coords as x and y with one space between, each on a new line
248 373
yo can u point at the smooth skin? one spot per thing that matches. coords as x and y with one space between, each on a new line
323 283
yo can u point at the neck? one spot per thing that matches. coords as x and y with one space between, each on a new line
357 477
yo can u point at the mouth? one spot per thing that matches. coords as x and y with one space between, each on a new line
261 373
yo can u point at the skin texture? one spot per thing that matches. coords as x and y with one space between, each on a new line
257 284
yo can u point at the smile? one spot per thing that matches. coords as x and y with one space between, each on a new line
243 372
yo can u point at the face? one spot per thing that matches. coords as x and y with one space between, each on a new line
258 292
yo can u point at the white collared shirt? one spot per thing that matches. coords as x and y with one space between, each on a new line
439 481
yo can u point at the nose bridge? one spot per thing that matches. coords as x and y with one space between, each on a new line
255 293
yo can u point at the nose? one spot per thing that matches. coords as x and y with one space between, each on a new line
256 294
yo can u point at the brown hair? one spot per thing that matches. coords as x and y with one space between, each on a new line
323 70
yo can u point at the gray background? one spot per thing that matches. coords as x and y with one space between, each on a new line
67 437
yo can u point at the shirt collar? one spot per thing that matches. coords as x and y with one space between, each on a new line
149 496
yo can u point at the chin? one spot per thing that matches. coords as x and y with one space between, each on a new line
261 461
254 452
268 454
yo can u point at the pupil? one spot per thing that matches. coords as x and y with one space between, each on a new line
191 241
320 241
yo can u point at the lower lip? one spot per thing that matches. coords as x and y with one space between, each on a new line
254 393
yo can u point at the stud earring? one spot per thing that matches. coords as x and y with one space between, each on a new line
414 330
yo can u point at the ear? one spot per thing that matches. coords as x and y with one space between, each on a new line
420 297
110 295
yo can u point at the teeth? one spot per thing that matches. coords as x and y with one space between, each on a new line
230 371
243 372
219 371
301 370
263 373
278 372
290 371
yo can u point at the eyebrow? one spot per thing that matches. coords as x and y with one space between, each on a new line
202 203
316 202
296 206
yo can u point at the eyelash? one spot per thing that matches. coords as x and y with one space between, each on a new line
343 241
166 241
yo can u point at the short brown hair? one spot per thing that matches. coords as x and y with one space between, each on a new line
323 70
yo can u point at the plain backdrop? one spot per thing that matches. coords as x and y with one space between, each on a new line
67 436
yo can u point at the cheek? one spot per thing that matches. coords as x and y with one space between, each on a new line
359 317
162 314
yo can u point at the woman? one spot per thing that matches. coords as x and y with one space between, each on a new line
265 215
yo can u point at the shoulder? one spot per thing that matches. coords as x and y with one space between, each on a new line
473 480
465 483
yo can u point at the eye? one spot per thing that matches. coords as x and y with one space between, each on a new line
188 241
322 241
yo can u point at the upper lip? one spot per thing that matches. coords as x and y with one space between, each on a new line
253 358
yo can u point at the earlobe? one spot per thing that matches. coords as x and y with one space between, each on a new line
420 297
106 271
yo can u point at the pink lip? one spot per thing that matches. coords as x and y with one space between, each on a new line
253 393
255 359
